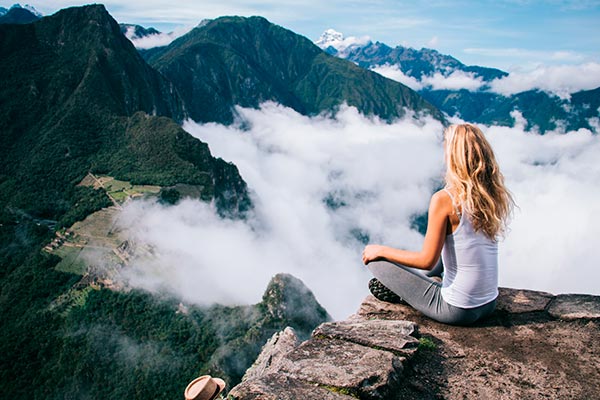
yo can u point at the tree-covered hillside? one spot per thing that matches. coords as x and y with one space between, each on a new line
245 61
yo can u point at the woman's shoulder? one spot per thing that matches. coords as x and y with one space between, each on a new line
442 200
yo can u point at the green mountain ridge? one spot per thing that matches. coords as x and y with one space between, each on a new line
80 98
242 61
71 108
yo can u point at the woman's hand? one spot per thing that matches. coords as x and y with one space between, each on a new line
372 252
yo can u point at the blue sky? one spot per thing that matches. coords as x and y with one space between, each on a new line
508 34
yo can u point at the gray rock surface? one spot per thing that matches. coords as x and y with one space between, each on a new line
368 372
516 301
575 306
535 345
281 387
273 351
394 336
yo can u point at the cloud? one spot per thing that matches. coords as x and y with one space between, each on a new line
455 81
556 183
395 73
321 185
155 40
561 80
433 42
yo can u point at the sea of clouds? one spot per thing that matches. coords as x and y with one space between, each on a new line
323 186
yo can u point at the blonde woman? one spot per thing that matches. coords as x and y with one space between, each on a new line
465 220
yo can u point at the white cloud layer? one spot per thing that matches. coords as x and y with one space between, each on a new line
395 73
376 176
561 80
455 81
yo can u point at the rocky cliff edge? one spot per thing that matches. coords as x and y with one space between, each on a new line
535 345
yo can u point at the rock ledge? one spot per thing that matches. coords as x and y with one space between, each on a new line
535 345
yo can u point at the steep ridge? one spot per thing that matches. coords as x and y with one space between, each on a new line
76 83
77 98
131 344
535 345
246 61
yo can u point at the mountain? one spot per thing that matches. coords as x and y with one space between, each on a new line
80 99
543 111
232 61
131 344
412 62
80 113
19 15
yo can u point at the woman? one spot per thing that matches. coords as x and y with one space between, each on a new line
466 218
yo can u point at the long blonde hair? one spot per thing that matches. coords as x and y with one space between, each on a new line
472 173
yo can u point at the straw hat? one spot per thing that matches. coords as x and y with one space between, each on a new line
204 388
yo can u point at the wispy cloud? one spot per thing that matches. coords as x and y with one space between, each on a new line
562 80
454 81
155 40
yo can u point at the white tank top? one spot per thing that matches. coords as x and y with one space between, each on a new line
470 265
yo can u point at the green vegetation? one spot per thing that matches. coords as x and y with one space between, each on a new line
542 111
245 61
344 391
70 261
80 99
426 344
169 196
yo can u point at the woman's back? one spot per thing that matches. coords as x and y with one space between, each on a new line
470 266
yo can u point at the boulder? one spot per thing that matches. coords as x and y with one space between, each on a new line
273 351
518 301
282 387
394 336
363 371
575 306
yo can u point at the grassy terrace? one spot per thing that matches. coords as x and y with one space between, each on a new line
119 191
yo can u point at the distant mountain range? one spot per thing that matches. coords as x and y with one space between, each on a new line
18 14
414 63
542 110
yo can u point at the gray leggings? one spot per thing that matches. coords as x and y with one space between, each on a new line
424 293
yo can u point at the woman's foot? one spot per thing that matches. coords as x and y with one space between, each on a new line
383 293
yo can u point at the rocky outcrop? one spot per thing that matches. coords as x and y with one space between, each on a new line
535 345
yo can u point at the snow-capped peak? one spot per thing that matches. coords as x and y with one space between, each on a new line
334 39
331 38
29 8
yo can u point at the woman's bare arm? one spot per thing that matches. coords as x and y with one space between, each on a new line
440 207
